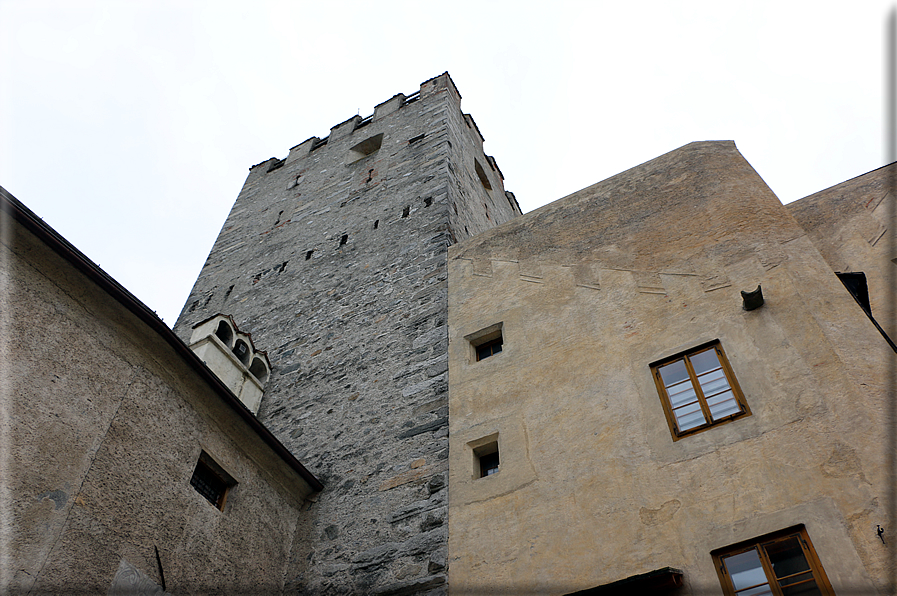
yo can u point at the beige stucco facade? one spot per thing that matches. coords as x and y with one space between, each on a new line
849 224
589 291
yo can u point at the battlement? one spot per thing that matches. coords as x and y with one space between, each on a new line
439 84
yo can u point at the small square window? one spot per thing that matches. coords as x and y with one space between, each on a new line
490 348
698 390
486 342
780 563
211 481
485 456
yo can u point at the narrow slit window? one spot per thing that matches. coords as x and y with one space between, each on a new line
481 174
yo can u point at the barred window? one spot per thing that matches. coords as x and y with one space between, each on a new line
698 389
211 481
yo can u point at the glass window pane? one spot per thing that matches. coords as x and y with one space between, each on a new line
704 361
728 408
745 569
713 382
796 579
720 398
786 556
788 561
690 416
807 589
673 373
723 405
763 590
681 394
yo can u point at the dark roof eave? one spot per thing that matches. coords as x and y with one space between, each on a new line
27 218
659 581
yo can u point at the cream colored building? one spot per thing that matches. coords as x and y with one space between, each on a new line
581 336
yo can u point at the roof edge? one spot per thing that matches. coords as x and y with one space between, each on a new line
10 205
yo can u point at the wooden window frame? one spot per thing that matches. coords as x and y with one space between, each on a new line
709 421
759 544
488 345
490 337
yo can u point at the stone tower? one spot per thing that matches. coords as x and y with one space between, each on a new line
334 260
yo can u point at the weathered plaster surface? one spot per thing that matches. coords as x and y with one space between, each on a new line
105 424
852 226
591 289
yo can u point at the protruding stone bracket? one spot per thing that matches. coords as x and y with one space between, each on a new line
752 300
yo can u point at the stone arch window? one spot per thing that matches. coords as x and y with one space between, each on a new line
241 351
259 370
225 333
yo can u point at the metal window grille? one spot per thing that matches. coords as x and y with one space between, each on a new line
209 484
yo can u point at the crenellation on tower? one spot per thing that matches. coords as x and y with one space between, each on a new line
471 123
389 106
344 128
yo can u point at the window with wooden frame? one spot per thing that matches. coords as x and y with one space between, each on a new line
486 342
698 390
489 348
782 564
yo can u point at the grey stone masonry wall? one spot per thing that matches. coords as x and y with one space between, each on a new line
334 259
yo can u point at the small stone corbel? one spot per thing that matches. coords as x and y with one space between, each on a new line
752 300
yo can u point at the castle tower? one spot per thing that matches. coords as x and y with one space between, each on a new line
334 260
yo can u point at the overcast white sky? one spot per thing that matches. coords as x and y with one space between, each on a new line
130 126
